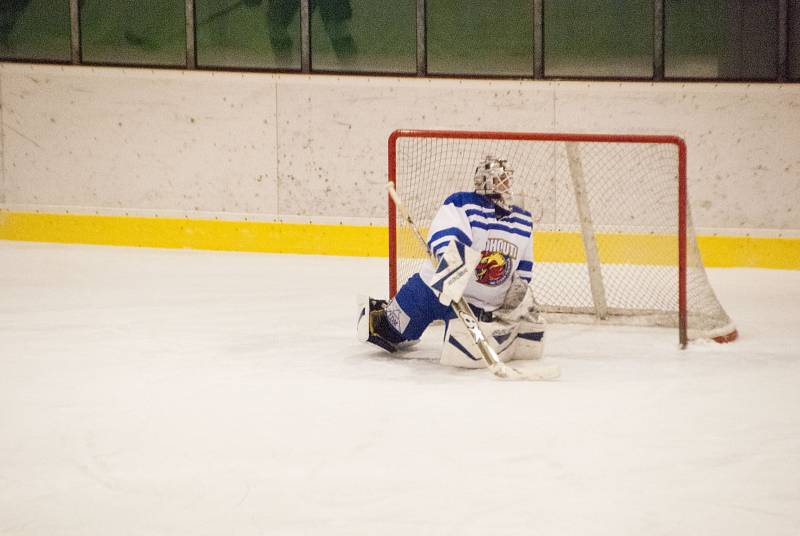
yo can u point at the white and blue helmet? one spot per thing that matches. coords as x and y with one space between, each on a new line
493 179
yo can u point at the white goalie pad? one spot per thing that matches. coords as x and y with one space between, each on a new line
511 340
529 343
459 349
456 266
520 308
515 332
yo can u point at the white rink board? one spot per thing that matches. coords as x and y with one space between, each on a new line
87 139
109 139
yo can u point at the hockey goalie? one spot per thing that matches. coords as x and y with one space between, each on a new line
483 244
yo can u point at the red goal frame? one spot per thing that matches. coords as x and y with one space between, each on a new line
544 136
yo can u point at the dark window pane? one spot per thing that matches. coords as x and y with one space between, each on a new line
35 30
248 34
794 39
364 35
480 37
726 39
598 38
144 32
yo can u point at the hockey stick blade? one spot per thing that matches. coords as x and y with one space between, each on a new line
540 373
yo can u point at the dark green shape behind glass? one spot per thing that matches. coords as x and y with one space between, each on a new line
722 39
35 30
140 32
364 35
480 37
251 34
602 38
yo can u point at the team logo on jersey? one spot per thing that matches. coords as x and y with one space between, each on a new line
496 262
502 246
493 269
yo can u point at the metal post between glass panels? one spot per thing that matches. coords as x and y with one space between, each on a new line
305 36
191 57
783 40
74 32
658 39
538 40
422 52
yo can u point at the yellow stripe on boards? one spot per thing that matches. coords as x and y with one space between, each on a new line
369 241
313 239
748 251
629 248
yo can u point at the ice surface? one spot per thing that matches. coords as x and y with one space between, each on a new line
163 392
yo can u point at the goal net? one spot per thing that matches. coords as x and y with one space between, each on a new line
613 240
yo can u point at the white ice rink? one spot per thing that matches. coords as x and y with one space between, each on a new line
200 393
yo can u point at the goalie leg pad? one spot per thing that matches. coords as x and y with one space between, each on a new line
521 310
511 340
530 338
460 350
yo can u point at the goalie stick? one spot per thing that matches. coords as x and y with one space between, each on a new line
464 313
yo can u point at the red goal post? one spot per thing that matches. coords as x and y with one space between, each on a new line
613 240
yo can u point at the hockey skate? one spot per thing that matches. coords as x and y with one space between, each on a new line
373 327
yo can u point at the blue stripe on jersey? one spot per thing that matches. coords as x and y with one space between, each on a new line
482 206
491 214
459 199
499 227
454 232
517 220
479 212
516 210
524 269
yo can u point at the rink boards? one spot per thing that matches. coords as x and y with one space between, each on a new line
357 240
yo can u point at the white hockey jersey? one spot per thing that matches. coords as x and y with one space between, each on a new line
504 239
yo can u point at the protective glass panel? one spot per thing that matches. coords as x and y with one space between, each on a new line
488 37
248 34
794 39
363 35
726 39
145 32
35 30
598 38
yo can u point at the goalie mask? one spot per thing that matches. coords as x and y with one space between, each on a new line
493 179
